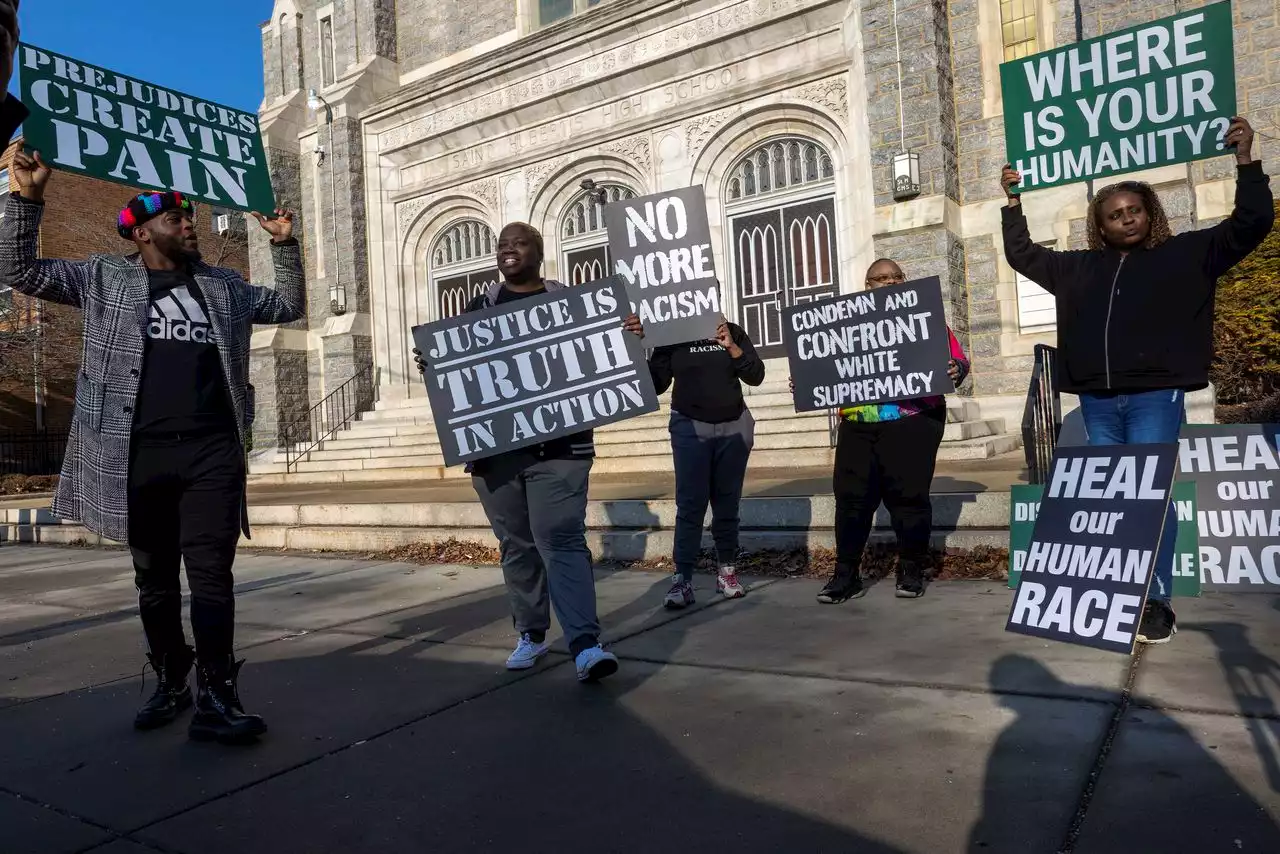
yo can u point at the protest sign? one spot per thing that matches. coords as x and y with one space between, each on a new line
1092 553
1150 95
1236 468
875 346
106 125
532 370
661 247
1024 506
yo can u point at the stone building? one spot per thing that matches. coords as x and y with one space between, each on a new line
437 121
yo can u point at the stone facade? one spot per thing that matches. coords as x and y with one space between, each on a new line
443 113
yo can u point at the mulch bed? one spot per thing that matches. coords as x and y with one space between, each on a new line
21 484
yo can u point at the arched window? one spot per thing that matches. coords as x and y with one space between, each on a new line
780 203
582 234
462 265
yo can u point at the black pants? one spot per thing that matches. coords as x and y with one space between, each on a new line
891 461
184 506
711 464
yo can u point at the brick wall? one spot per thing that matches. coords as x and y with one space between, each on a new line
79 221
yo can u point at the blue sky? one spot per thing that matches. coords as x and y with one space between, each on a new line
211 49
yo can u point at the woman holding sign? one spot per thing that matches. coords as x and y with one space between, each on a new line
887 451
712 432
535 498
1135 316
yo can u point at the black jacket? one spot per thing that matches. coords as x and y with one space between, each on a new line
708 382
1142 321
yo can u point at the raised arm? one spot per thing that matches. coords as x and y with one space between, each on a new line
62 282
660 368
286 302
747 365
958 369
1040 265
1250 222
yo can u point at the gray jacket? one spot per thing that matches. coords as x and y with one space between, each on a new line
113 293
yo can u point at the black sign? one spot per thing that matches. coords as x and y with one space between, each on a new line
535 369
874 346
1093 551
661 246
1236 469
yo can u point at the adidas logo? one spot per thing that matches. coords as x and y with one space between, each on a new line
178 317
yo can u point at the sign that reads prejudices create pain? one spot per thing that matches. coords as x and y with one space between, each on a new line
875 346
1093 551
1146 96
1236 469
661 247
111 126
535 369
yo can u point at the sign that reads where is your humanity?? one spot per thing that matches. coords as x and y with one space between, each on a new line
111 126
1146 96
533 370
1236 469
661 247
875 346
1093 550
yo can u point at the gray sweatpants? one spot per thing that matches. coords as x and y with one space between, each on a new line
538 513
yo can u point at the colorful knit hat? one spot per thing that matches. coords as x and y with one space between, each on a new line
144 206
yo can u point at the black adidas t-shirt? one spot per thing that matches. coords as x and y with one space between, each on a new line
182 389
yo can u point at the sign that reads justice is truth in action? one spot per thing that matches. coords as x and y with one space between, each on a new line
532 370
111 126
1092 555
661 246
1236 469
875 346
1146 96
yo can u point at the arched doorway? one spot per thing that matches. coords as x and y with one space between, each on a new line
462 265
583 239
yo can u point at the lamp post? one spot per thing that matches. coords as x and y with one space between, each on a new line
337 291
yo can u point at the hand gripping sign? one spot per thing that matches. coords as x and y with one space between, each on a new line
1092 556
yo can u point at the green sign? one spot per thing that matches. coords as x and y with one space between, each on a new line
1147 96
1024 504
107 125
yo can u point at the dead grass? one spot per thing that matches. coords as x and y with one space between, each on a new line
21 484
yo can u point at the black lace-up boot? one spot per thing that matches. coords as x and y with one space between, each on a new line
172 695
219 714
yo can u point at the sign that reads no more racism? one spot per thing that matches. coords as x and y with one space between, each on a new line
111 126
1147 96
1092 554
661 247
535 369
875 346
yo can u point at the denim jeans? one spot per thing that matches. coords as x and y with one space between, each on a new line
711 464
1146 418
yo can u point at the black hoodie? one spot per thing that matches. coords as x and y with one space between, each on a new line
1142 321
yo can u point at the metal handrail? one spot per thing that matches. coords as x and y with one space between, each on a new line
833 426
335 412
1042 415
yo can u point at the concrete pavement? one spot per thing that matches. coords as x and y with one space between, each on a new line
767 724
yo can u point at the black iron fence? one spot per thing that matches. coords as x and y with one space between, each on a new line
1042 416
336 412
34 453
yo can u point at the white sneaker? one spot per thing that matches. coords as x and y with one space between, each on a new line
594 664
526 653
728 584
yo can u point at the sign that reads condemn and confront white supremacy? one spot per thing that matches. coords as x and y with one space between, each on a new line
110 126
1146 96
1236 469
532 370
875 346
1093 551
661 246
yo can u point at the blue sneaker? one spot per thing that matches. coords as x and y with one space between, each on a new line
594 664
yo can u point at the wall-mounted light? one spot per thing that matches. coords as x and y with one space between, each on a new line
906 175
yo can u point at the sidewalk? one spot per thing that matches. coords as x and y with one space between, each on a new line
764 725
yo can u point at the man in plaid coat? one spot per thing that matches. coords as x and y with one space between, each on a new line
156 452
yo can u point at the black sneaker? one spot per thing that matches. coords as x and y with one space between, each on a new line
844 584
910 583
1158 623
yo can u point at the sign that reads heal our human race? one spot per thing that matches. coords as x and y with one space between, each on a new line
1093 550
661 246
1146 96
532 370
1236 469
111 126
875 346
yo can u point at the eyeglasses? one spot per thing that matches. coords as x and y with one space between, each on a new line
887 279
